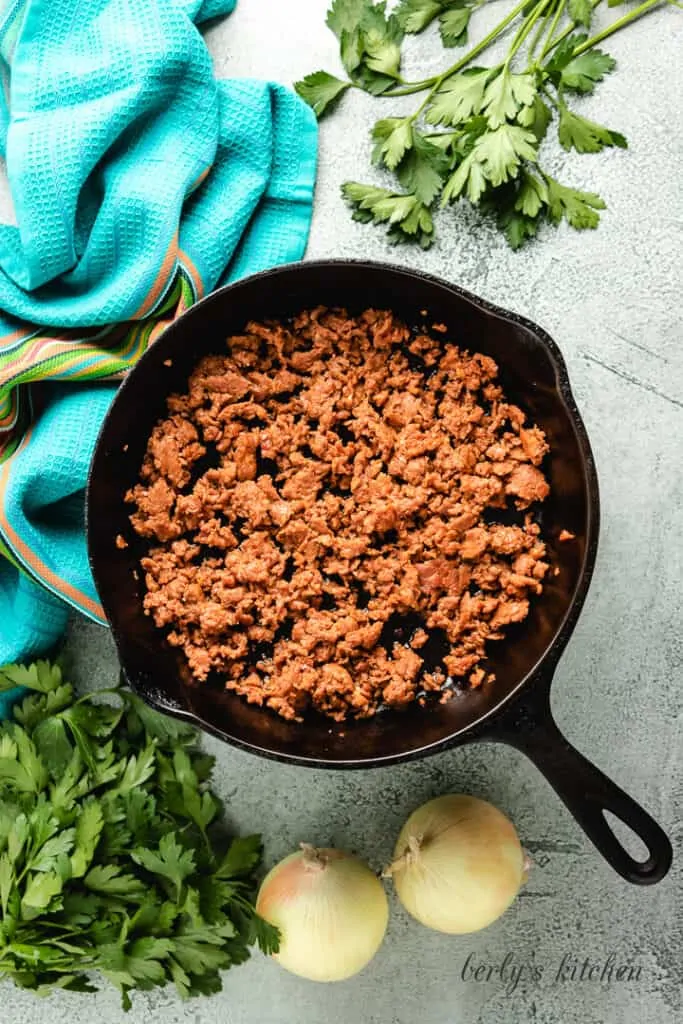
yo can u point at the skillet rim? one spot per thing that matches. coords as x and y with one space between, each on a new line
484 727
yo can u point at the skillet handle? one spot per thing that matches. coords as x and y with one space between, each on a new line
586 791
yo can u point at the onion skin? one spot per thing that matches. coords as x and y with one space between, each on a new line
332 912
458 864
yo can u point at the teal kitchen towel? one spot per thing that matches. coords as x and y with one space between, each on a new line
140 183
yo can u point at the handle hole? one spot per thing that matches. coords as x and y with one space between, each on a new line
630 840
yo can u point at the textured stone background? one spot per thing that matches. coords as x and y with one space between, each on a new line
611 299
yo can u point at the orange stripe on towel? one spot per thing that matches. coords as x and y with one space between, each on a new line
162 279
15 336
39 569
193 273
202 177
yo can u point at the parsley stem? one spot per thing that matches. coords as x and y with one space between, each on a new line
551 31
443 135
526 28
549 96
539 32
470 55
410 88
616 25
563 35
436 81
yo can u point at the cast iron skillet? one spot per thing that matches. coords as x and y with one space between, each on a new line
516 709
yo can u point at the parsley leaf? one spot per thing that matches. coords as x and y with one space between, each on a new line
406 216
170 860
139 768
469 179
381 37
81 908
89 826
28 758
72 784
73 717
140 963
505 95
244 854
494 158
39 892
585 136
15 775
8 748
393 137
141 808
562 53
42 824
453 23
579 209
578 73
346 15
423 168
264 934
581 12
536 117
459 98
321 90
109 860
415 15
377 204
44 859
36 708
184 772
454 16
371 42
351 50
532 196
40 676
196 956
9 814
53 745
370 49
109 879
582 73
201 808
6 882
419 165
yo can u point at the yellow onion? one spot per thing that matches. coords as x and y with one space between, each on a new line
331 910
458 864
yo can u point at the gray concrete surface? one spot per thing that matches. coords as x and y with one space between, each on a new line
611 299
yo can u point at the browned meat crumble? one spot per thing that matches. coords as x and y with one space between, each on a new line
322 481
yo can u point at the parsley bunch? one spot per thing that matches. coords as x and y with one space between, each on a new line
112 855
478 131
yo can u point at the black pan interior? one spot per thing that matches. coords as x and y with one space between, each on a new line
533 375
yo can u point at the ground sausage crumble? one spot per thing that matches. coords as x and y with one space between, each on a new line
320 486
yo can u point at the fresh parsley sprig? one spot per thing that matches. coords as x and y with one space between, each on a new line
478 131
113 858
